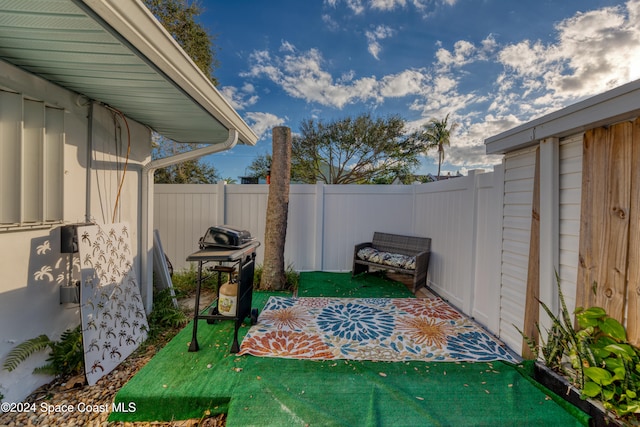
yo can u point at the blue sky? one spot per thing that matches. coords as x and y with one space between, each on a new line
490 64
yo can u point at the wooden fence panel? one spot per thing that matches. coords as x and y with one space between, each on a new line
605 219
531 307
633 285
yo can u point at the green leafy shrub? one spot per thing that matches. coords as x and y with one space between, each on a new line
611 366
164 314
596 357
184 282
66 356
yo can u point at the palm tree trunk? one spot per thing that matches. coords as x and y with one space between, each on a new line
440 158
273 272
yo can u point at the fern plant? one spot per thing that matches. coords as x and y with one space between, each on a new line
66 356
22 351
164 315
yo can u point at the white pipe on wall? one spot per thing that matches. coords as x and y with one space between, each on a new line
146 257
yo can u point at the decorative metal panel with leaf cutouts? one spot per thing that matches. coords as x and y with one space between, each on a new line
114 322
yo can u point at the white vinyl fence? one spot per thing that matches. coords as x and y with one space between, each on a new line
462 216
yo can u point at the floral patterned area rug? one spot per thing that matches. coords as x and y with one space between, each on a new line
384 329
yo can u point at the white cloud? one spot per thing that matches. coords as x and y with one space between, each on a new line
381 32
594 51
287 47
387 4
358 7
302 76
262 123
331 23
465 52
240 98
409 82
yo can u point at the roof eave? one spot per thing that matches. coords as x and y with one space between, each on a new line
619 104
134 22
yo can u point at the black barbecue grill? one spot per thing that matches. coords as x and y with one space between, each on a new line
225 236
233 251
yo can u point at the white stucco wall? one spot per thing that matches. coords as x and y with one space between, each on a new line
31 265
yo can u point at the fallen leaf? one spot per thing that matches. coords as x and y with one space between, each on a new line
382 374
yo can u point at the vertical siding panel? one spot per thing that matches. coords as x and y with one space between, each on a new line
519 171
10 134
570 196
633 289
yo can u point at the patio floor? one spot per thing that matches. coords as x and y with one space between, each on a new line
177 384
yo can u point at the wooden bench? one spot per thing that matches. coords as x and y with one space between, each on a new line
395 244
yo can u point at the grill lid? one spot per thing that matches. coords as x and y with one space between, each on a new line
225 236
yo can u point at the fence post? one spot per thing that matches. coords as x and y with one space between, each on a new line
472 218
549 225
221 203
319 226
498 189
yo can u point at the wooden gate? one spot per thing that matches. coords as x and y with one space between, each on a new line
609 257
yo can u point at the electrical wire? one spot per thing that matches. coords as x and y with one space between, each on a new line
126 162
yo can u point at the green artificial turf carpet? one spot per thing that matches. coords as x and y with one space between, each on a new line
257 391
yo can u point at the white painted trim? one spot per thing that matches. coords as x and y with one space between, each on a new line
146 232
472 194
549 225
607 108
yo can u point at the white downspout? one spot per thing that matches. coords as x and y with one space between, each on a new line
146 246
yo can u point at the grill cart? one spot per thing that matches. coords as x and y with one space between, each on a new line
234 254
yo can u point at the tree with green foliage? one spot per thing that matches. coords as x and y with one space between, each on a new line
354 150
196 171
260 166
179 18
437 133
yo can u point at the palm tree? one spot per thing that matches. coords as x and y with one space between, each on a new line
437 133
